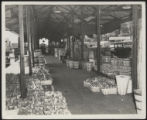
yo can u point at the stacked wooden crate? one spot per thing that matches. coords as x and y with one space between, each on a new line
116 66
39 59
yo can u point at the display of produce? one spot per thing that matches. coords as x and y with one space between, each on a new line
39 101
95 84
36 69
12 79
12 91
49 103
94 87
41 73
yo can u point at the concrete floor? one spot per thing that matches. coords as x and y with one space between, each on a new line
81 100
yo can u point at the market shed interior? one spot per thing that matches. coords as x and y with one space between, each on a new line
89 47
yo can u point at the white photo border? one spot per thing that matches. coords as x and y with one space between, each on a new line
97 116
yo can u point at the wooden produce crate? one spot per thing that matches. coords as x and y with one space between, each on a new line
114 61
106 59
76 64
83 65
120 62
40 61
67 63
127 62
108 91
70 64
105 68
125 73
46 82
56 52
39 65
95 89
89 66
125 69
37 52
86 84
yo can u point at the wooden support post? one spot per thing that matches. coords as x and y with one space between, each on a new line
37 34
69 47
29 37
23 88
98 37
67 43
35 25
33 37
82 37
82 46
135 45
73 56
33 51
32 46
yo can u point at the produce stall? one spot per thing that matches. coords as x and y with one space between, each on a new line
101 84
94 45
41 98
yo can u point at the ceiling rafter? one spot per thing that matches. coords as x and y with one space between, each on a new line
68 10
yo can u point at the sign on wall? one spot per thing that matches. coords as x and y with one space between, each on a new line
43 41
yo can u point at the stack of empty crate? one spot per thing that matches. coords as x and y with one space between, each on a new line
39 59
